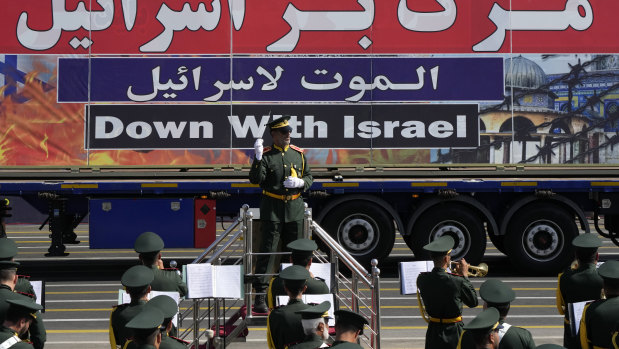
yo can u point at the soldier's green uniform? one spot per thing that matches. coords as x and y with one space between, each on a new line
144 323
549 346
36 333
26 307
444 295
284 326
136 277
346 318
169 309
299 249
578 284
311 312
497 293
599 318
484 325
164 279
281 209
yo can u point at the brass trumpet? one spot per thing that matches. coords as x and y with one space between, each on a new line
474 271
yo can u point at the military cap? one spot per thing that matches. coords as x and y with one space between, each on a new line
315 311
137 276
280 123
303 246
165 304
496 291
587 241
24 305
348 317
486 320
294 273
148 242
549 346
8 265
8 248
609 270
441 244
147 318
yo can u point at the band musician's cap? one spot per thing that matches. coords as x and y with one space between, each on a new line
303 246
549 346
148 318
294 273
587 241
24 305
441 244
148 242
165 304
8 248
137 276
348 317
486 320
496 291
280 123
8 265
609 270
315 311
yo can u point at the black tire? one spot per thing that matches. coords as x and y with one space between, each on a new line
459 222
364 229
538 239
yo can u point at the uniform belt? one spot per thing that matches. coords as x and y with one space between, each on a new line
281 197
446 321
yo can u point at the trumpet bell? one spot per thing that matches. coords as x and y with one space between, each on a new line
474 271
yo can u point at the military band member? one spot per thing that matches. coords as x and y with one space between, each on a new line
169 309
599 317
580 282
302 251
315 325
484 329
149 245
145 328
443 295
348 329
496 294
282 172
284 326
136 281
21 313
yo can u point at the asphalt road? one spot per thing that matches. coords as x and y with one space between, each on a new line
80 290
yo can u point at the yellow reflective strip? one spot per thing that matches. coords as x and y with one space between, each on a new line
604 184
519 184
159 185
339 185
430 184
79 186
243 185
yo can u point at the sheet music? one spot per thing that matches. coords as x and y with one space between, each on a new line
199 280
228 281
575 314
38 291
409 271
124 297
321 270
312 298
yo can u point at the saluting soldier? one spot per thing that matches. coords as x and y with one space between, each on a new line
169 309
282 172
36 332
484 329
284 326
444 294
21 313
496 294
599 317
348 328
580 282
136 281
149 246
145 328
314 319
302 251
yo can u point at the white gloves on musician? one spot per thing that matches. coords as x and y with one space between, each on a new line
259 149
294 182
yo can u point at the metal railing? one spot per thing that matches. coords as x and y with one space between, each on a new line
353 287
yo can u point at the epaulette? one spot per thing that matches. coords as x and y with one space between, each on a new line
180 340
27 294
170 269
27 277
266 149
300 150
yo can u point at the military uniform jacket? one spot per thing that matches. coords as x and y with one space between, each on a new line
167 342
598 323
443 295
167 280
578 285
514 338
270 173
119 317
6 333
284 326
37 332
276 288
310 342
345 345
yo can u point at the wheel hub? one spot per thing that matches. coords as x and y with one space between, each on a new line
358 234
458 233
542 239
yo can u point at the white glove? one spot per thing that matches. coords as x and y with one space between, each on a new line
294 182
259 149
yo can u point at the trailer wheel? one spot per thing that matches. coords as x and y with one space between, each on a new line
460 223
364 229
539 238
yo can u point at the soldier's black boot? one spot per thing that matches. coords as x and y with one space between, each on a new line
260 305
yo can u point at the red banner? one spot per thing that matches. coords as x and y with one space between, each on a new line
308 26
